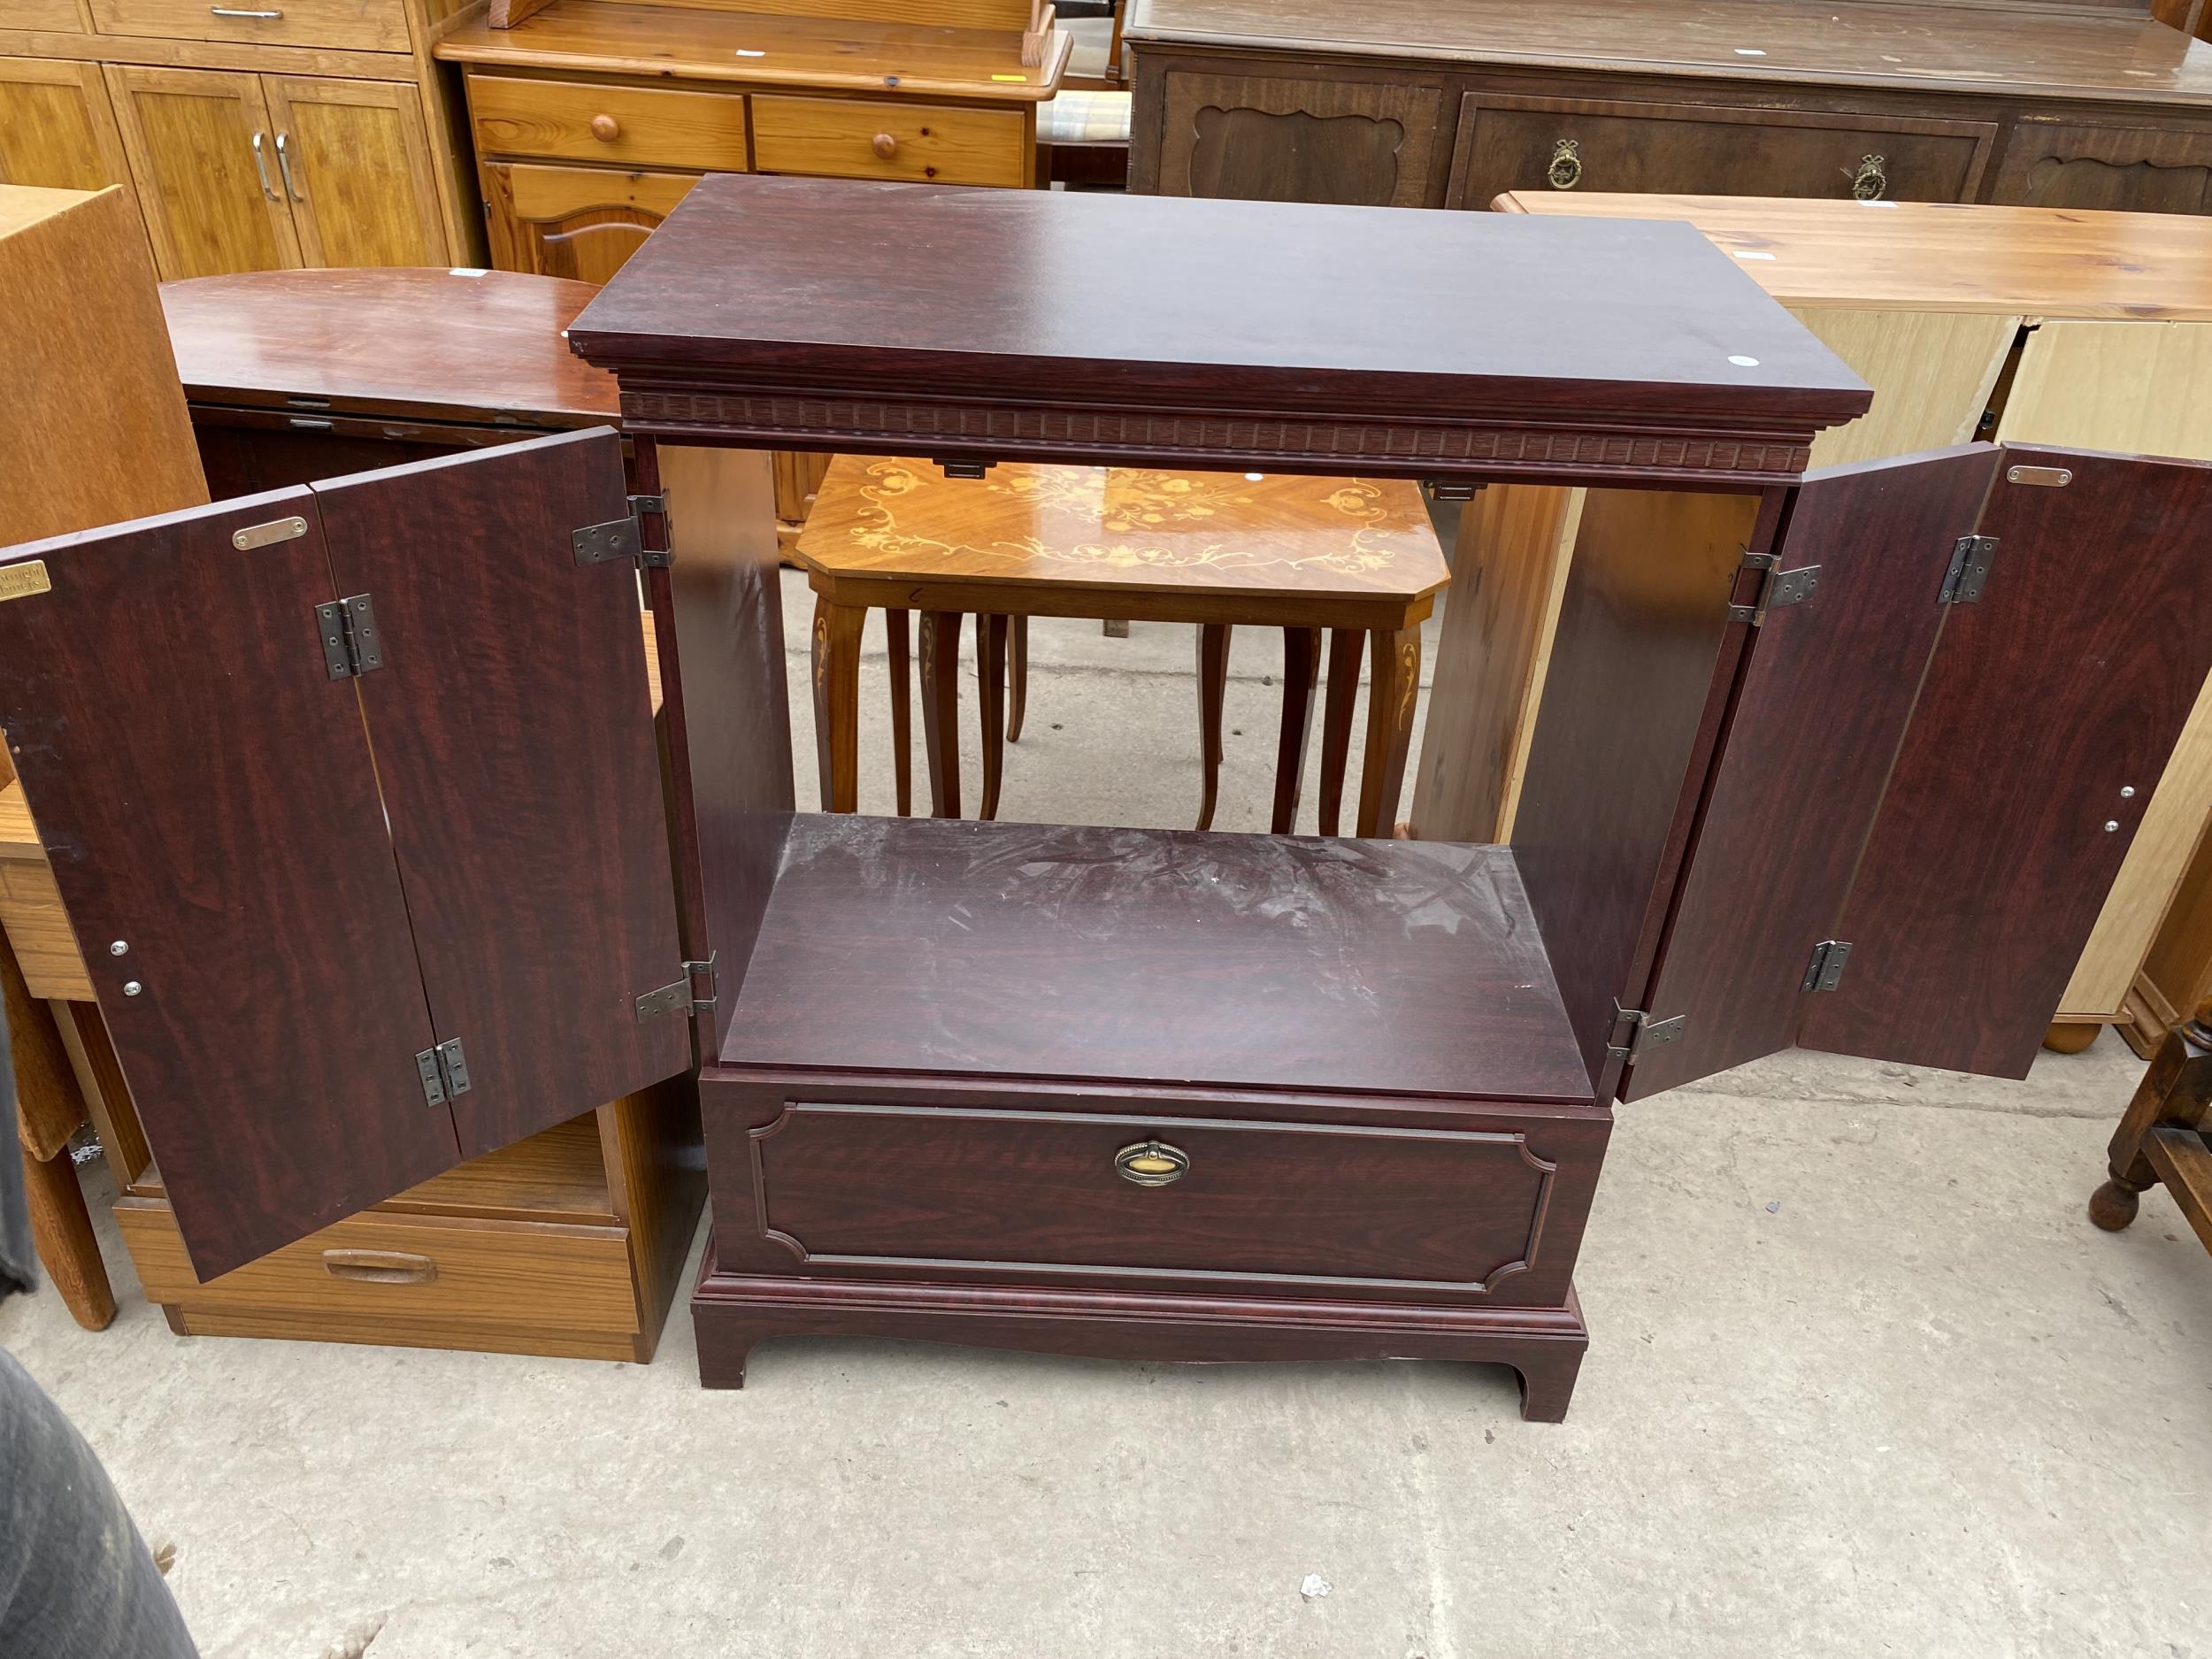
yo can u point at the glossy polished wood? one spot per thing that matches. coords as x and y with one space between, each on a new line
757 314
450 345
1085 952
1935 256
690 44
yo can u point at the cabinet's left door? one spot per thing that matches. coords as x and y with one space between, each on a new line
205 791
202 149
56 127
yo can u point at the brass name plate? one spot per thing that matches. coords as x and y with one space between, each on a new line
20 581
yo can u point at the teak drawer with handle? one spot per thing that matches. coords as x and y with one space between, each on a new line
848 138
554 1276
589 121
1270 1206
363 26
1532 143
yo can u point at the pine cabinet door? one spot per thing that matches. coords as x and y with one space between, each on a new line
203 150
56 127
354 162
577 222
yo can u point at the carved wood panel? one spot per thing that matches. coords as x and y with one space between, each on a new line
2128 169
1268 138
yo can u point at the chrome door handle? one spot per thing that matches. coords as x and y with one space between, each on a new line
261 166
284 165
240 11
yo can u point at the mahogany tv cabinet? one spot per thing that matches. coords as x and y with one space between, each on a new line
1112 1092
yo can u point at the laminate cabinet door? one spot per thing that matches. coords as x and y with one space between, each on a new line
207 800
577 222
1274 138
1509 143
203 152
354 159
56 127
2073 163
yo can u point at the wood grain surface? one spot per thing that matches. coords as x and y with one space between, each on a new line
1991 858
1920 46
1067 952
517 757
450 345
1935 256
1822 707
758 283
251 880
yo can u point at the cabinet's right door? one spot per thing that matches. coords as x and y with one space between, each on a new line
2049 710
1823 700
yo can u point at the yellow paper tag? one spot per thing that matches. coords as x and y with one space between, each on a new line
20 581
1010 77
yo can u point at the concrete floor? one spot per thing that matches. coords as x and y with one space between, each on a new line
1863 1380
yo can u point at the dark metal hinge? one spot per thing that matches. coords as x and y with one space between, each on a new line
351 644
1825 972
624 538
1776 587
1635 1034
444 1071
1962 579
683 995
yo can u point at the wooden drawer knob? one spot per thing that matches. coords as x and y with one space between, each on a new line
380 1267
1152 1162
884 145
606 128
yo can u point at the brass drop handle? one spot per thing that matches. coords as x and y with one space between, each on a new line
1152 1162
884 145
1869 182
380 1267
1565 171
606 128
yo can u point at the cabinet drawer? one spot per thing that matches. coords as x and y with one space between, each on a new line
38 930
847 138
365 26
565 1278
569 120
1530 143
1274 1206
2121 169
59 16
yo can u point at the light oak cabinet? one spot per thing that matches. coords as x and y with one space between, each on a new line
576 222
56 127
259 172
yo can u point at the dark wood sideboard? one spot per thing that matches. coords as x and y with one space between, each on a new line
1159 1095
1451 103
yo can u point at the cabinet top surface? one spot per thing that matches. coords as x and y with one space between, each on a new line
2098 54
1936 256
1077 952
1239 307
1219 535
465 343
839 54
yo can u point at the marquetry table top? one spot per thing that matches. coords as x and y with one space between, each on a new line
1219 534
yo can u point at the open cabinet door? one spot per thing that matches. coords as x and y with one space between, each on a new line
204 789
1805 754
2050 708
514 733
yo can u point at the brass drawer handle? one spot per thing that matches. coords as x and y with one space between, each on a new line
606 128
1566 165
884 145
380 1267
1152 1162
1869 182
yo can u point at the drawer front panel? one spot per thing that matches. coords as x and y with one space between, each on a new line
847 138
567 1278
364 26
1268 1206
641 127
59 16
1521 144
2120 169
38 929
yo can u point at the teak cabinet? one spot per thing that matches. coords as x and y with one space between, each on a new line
1414 103
1059 1087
